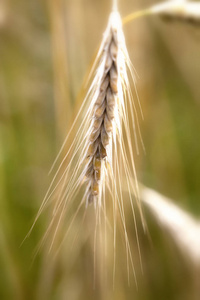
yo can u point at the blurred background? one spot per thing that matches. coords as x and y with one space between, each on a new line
46 49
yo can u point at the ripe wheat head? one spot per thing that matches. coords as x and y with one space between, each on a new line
101 152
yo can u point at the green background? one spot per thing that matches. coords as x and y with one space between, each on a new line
46 48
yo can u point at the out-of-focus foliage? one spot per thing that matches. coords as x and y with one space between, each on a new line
46 48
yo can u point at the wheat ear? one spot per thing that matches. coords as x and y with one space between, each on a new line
105 111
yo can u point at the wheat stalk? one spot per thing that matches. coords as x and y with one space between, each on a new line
180 10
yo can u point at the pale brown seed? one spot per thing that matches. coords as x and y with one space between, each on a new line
101 97
97 175
113 79
108 63
97 123
110 98
103 152
104 137
92 148
100 110
108 124
97 163
95 188
94 134
110 112
105 83
113 50
89 171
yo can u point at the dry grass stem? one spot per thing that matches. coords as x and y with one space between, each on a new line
177 10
